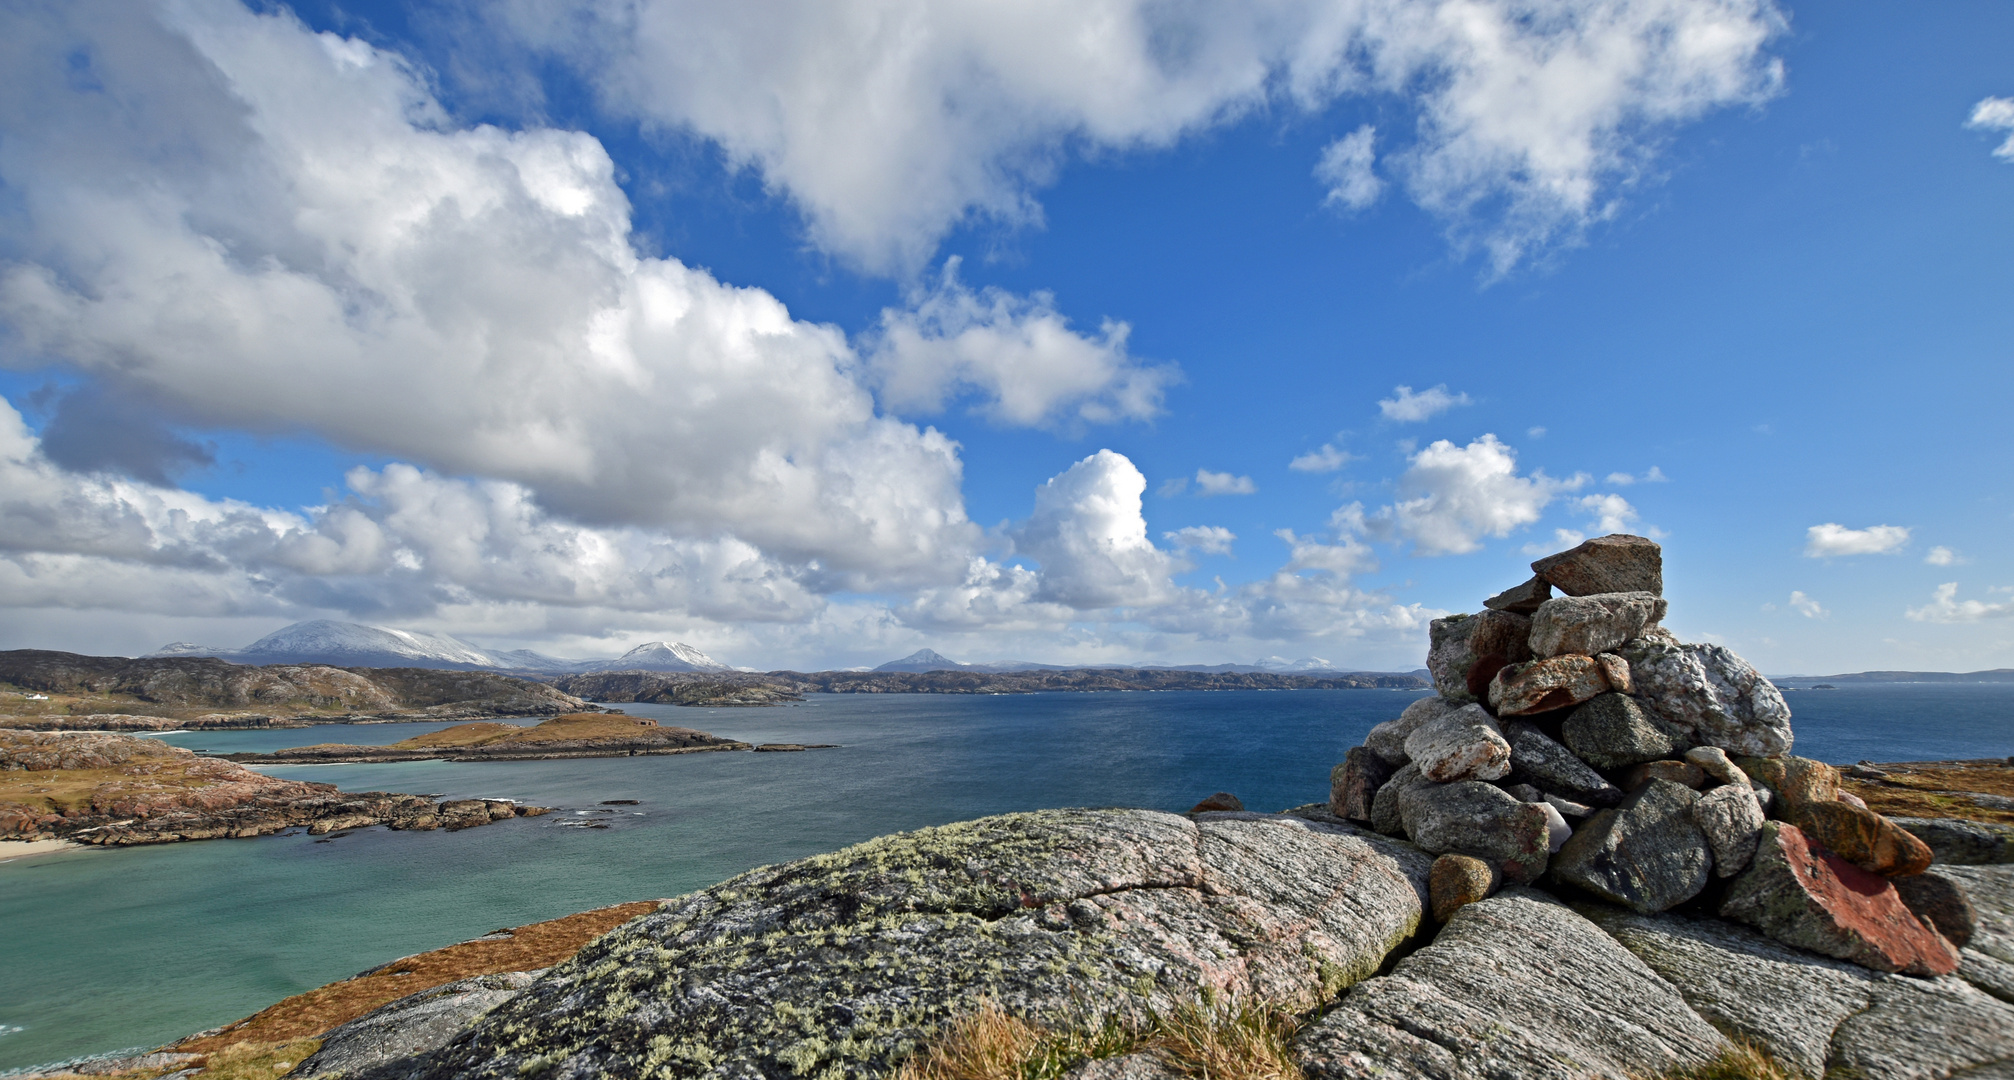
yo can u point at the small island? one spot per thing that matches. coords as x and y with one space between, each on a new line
573 735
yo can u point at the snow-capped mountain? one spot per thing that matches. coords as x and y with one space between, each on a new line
1281 663
347 644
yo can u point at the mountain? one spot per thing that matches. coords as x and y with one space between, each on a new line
923 660
1996 675
1281 663
346 644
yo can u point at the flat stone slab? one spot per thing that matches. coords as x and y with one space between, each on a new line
1615 563
1515 986
840 964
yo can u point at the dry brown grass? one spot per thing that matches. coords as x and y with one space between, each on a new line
1228 1040
1742 1060
1928 790
243 1061
306 1015
70 791
1209 1039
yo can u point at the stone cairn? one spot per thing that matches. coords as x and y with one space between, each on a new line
1574 741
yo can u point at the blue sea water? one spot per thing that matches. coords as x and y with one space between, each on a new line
102 950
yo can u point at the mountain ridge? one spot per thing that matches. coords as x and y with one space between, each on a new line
347 644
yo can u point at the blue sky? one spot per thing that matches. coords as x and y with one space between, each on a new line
812 335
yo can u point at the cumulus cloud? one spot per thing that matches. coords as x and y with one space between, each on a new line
1830 539
1018 352
1995 114
890 122
1806 606
1611 513
1622 479
1324 460
1450 497
1089 536
1942 556
1945 607
1209 539
1345 168
1223 483
1407 407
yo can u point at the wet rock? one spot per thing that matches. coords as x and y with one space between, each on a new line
1221 801
1708 691
1545 685
1794 779
1940 899
1805 896
1957 842
1646 854
1678 772
1388 739
395 1034
1612 732
1465 651
1592 624
840 964
1732 820
1354 784
1861 837
1515 987
1606 564
1523 599
1473 818
1462 745
1455 880
1539 760
1818 1016
1717 764
1386 816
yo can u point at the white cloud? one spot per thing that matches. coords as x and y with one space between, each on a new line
1209 539
1017 351
1326 459
1172 486
1408 407
1611 513
1806 606
1562 539
1995 114
1623 479
1828 540
1345 168
891 122
1223 483
1453 496
1942 556
1945 607
1535 432
1088 534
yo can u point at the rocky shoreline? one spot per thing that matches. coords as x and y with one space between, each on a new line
575 735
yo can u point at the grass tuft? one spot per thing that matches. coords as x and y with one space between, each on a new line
1742 1060
1228 1040
1208 1039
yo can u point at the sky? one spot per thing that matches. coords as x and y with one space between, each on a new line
1111 331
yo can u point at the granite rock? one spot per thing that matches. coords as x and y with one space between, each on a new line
1523 599
1708 691
1860 836
1794 779
1539 760
394 1035
1805 896
1388 740
1455 880
1612 732
1464 651
1678 772
1469 817
1386 816
1592 624
1462 745
1569 808
1646 854
1732 820
1991 892
1939 899
1220 801
1544 685
1515 987
1607 564
1354 784
1717 764
1958 842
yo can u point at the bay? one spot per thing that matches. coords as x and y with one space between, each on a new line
104 950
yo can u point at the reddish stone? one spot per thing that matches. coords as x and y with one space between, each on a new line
1545 685
1802 895
1606 564
1861 837
1794 779
1222 800
1354 784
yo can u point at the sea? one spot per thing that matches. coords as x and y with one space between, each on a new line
105 950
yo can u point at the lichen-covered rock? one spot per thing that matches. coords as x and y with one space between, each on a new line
1958 842
1708 691
837 966
1354 783
1816 1015
1462 745
1388 740
1805 896
1606 564
1732 820
1538 760
1464 651
1544 685
1940 899
1860 836
1717 764
1592 624
1523 599
1455 880
1515 987
392 1035
1386 816
1646 854
1794 779
1612 732
1469 817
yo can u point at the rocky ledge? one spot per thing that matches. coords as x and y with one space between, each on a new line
118 790
575 735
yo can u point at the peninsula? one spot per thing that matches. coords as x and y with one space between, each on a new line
574 735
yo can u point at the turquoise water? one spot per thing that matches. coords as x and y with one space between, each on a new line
102 950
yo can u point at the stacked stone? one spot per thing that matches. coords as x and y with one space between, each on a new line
1573 741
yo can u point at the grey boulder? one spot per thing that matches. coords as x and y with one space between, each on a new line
395 1034
1939 899
1710 692
1354 784
1956 841
1646 854
1462 745
1611 731
1615 563
1465 651
1542 762
1523 599
1473 818
1386 816
1515 987
1388 740
1731 818
1592 624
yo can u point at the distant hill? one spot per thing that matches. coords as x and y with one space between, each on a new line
348 644
925 660
1996 675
